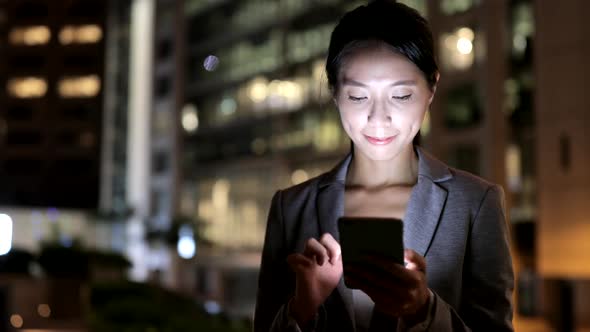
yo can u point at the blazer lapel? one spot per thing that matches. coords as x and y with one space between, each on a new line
426 203
422 215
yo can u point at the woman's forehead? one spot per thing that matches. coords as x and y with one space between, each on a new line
378 65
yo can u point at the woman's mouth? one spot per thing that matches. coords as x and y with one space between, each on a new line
379 140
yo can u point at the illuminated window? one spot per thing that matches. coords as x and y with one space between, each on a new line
27 87
457 49
451 7
523 28
276 94
419 5
30 36
81 34
79 87
513 162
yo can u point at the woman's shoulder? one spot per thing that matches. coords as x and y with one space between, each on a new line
470 182
450 177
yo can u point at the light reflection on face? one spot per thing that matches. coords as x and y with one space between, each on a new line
382 98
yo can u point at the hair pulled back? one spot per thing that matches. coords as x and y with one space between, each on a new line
382 23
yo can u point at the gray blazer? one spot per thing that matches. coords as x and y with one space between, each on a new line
454 219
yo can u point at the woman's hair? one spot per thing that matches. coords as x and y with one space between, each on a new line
382 23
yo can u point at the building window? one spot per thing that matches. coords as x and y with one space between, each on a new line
463 107
79 87
523 28
30 36
27 87
80 34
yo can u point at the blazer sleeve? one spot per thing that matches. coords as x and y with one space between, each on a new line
274 280
488 279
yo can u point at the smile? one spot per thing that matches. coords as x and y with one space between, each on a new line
379 141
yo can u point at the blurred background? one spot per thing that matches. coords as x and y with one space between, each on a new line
142 140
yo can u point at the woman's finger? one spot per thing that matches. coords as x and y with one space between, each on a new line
313 248
384 265
368 277
378 294
332 246
414 261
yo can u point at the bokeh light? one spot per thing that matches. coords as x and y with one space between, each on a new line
190 118
44 310
16 321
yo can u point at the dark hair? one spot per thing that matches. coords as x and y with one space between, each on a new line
382 23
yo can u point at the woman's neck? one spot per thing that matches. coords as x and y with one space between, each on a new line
376 174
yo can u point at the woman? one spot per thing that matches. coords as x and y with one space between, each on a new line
458 271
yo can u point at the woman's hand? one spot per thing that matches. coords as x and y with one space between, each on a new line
318 270
397 291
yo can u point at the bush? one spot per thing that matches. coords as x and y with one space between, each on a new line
136 307
76 262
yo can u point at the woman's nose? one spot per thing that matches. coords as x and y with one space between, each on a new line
379 115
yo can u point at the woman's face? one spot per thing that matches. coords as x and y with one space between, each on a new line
382 98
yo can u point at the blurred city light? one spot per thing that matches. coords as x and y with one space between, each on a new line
16 321
299 176
30 36
451 7
83 34
513 167
228 106
464 45
258 146
186 242
220 194
190 118
210 63
44 310
5 234
212 307
79 87
457 49
523 27
27 87
425 128
258 89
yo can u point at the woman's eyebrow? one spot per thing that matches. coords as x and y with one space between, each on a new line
349 81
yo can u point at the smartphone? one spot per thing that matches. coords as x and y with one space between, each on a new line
360 236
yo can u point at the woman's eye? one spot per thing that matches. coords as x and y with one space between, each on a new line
402 98
356 99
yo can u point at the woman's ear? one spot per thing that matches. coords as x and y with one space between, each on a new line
434 87
335 98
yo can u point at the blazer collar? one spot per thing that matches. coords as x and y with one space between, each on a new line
428 167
